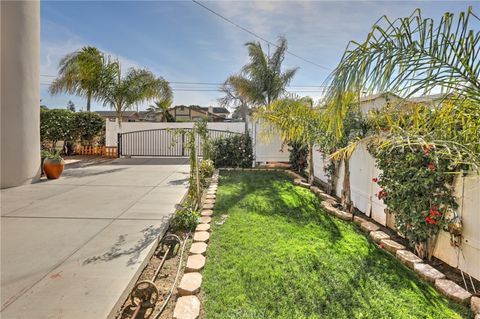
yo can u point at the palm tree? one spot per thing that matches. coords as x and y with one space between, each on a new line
80 73
122 92
262 80
408 56
233 98
296 120
162 105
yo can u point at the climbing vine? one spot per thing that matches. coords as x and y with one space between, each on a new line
417 186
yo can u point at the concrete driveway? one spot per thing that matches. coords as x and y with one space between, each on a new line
72 248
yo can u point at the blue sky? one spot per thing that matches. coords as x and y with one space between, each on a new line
183 42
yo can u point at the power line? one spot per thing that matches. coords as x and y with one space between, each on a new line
257 36
220 84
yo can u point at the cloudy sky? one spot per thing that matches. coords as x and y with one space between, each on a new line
183 42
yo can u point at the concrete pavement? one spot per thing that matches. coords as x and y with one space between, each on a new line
72 248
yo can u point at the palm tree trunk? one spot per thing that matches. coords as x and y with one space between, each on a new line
245 111
311 175
346 192
89 98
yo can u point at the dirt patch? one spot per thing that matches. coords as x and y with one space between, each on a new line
164 282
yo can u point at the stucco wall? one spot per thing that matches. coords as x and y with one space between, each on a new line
20 92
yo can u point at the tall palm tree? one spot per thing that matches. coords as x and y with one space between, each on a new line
80 73
408 56
262 80
122 92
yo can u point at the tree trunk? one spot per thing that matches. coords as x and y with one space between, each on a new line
245 111
346 192
89 98
311 175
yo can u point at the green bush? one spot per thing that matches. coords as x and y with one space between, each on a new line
186 219
206 170
298 157
64 125
233 151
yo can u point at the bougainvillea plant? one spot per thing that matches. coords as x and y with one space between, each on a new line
417 186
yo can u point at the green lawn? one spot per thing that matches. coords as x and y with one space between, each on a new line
279 255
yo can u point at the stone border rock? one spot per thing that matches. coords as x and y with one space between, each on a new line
188 307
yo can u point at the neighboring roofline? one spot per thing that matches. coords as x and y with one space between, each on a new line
375 96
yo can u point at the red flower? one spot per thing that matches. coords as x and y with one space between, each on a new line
382 194
431 167
375 180
381 245
431 221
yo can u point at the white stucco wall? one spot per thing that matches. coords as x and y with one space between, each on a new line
20 92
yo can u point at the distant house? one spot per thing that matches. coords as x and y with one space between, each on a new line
377 101
184 113
130 116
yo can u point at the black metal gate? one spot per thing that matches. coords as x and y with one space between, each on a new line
162 142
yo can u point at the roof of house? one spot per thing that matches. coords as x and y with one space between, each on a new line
215 109
372 97
428 98
113 113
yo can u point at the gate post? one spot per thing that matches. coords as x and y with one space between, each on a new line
119 145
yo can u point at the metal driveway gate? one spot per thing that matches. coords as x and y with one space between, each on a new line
164 142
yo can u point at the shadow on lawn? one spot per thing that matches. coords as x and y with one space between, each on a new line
301 207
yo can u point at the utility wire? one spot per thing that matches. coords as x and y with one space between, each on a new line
257 36
218 84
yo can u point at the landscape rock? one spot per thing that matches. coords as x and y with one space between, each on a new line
187 307
378 236
475 304
210 196
195 263
205 220
202 227
408 258
206 212
207 206
359 220
369 227
201 236
391 245
190 284
199 248
453 291
209 201
427 272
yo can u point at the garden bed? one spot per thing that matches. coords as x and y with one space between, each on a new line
278 255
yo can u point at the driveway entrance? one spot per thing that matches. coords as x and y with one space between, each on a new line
72 248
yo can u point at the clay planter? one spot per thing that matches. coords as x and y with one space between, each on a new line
53 168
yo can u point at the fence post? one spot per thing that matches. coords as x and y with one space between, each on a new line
119 145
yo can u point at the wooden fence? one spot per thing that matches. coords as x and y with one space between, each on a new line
104 151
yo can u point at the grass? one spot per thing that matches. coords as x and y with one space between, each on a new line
278 255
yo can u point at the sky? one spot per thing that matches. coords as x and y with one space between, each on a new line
183 42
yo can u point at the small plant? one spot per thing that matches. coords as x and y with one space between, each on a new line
51 155
186 219
206 170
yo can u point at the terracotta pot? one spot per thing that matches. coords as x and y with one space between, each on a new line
53 168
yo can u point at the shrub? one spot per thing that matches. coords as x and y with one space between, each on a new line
88 125
206 170
186 219
56 125
416 185
298 157
233 151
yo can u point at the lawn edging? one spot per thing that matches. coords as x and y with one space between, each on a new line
188 305
427 273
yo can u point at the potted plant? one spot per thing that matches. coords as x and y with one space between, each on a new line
53 165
